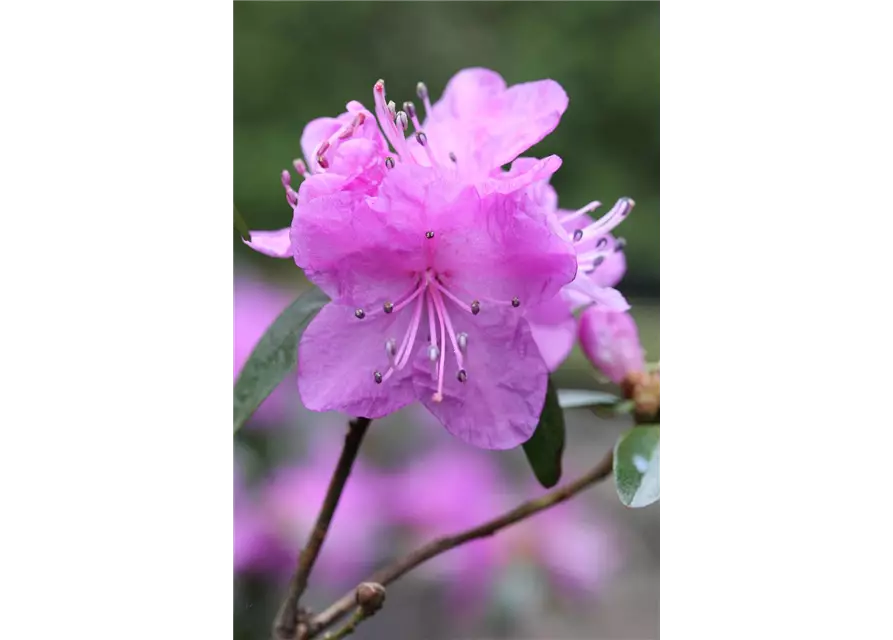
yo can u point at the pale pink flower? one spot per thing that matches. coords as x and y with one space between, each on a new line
452 489
256 549
429 249
293 498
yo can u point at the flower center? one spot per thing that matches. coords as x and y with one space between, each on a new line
431 297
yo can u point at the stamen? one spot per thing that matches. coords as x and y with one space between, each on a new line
409 108
462 375
453 156
390 348
578 235
418 290
389 162
322 162
611 219
378 377
360 314
388 307
438 396
441 309
515 302
432 336
290 194
453 297
408 340
402 121
387 125
433 352
300 167
462 339
620 244
422 91
429 234
602 242
597 262
592 206
421 138
475 307
392 108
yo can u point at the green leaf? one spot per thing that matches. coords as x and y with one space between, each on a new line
637 466
274 356
546 445
576 398
240 225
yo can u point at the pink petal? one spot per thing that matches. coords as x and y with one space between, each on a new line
487 125
554 330
338 357
524 115
499 404
276 244
492 252
469 94
524 175
606 298
359 256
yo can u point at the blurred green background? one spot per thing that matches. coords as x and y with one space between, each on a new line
294 62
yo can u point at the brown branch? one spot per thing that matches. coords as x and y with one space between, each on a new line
285 625
387 575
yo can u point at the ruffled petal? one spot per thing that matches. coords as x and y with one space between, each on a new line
499 404
358 256
338 357
489 250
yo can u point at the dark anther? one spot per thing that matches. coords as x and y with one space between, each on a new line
462 375
388 307
475 307
516 303
578 235
359 313
378 377
429 234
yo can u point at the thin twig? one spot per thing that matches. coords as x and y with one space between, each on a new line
286 624
358 616
387 575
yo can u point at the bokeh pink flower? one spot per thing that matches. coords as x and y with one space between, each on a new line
293 497
454 488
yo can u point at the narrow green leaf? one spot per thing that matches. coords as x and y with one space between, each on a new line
637 466
240 225
576 398
274 356
546 445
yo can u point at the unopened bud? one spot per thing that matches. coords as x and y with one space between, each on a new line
370 597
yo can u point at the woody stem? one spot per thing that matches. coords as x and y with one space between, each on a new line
285 626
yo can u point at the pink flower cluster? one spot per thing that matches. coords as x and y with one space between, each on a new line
452 281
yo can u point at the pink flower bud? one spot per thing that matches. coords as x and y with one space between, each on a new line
611 342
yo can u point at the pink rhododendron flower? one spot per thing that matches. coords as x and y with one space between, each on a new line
426 249
293 499
256 304
610 341
255 546
453 489
601 265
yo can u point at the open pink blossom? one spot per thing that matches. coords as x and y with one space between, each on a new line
477 126
600 257
422 257
293 498
610 341
256 304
